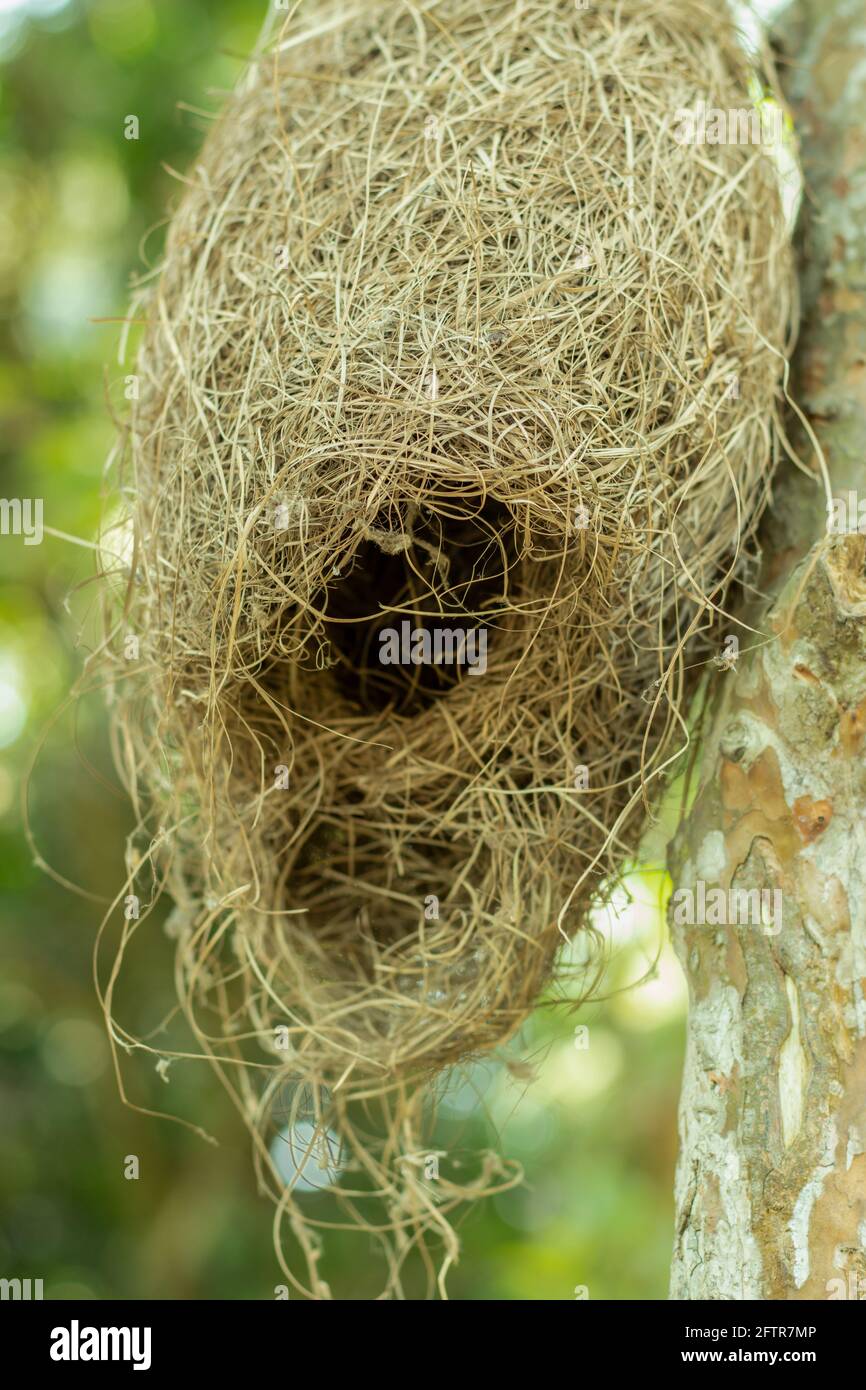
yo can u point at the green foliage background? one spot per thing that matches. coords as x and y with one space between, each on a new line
81 208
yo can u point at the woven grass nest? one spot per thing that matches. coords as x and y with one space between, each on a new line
451 334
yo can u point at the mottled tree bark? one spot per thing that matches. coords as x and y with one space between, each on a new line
771 1181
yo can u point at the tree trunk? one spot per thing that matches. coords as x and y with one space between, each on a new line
771 1179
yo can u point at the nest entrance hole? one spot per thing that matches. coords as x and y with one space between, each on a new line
448 571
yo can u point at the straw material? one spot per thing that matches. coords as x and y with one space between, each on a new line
451 333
